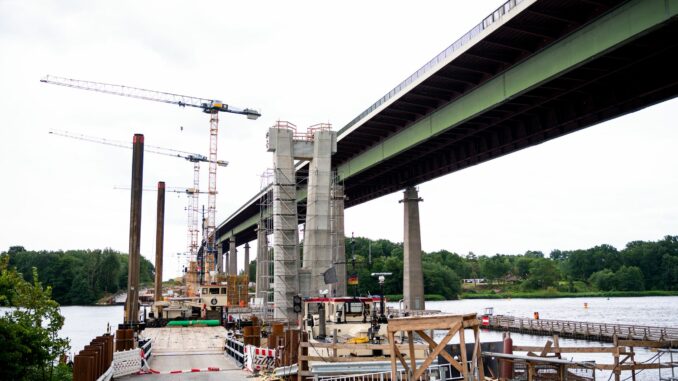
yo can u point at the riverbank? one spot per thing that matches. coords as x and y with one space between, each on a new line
546 294
541 294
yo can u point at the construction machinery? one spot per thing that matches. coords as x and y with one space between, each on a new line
210 106
196 159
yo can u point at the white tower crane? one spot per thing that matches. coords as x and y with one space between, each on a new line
209 106
193 193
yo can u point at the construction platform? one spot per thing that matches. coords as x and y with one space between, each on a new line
190 353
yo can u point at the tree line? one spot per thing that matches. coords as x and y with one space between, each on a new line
641 265
77 277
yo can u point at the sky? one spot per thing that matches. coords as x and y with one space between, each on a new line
305 62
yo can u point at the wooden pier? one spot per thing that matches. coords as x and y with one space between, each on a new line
606 332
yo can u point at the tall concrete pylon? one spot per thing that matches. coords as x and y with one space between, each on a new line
317 233
338 240
285 222
413 276
232 258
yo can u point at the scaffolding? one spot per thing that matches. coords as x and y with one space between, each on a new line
264 273
337 235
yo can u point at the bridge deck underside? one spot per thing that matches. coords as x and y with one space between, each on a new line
637 75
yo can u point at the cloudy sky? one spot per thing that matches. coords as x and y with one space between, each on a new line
305 62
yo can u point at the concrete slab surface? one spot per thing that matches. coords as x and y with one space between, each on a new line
186 339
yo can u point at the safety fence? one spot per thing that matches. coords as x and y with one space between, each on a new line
235 350
259 359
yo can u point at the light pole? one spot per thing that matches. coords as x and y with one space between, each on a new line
382 278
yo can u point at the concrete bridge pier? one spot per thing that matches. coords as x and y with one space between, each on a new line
220 258
232 258
317 233
246 265
285 222
338 240
413 277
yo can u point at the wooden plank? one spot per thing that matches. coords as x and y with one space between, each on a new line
644 343
462 349
479 357
630 366
400 357
431 322
546 349
438 349
432 345
556 346
392 349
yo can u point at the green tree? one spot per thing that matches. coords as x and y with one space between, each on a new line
604 280
29 331
543 273
494 268
629 278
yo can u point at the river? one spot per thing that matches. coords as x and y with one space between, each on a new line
85 322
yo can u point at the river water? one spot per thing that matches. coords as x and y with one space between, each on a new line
85 322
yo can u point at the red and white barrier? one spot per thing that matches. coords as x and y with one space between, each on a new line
258 359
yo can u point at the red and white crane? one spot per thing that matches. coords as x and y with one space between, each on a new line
209 106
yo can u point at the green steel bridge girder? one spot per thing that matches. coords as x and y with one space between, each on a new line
625 23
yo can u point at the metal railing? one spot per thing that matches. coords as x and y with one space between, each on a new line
583 329
672 361
442 372
438 59
235 350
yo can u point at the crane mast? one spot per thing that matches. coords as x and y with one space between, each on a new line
209 106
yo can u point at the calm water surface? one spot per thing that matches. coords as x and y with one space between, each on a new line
85 322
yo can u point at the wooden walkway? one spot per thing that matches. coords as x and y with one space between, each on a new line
606 332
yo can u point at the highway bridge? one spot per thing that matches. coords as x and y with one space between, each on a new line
532 71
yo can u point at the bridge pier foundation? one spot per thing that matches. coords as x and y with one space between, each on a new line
413 277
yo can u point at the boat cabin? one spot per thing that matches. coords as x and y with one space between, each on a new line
345 309
213 295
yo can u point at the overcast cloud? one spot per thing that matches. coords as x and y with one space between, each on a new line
306 62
